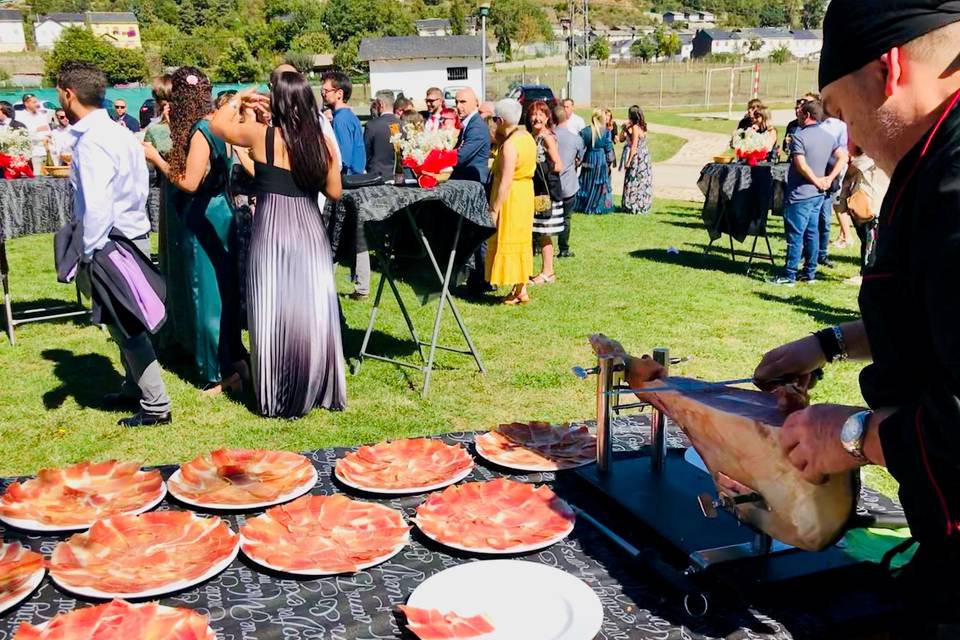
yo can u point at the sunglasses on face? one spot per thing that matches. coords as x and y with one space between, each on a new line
121 107
432 100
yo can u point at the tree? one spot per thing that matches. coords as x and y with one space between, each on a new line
667 42
781 54
313 41
458 23
643 48
345 19
600 49
236 63
521 21
774 15
347 57
813 12
79 43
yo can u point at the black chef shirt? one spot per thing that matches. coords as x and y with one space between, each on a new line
910 303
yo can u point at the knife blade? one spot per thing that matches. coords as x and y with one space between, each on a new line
690 386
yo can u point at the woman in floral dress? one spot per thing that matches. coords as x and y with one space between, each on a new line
638 179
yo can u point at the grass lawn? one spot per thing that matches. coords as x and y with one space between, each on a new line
622 282
664 146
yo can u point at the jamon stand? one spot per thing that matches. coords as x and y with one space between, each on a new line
700 544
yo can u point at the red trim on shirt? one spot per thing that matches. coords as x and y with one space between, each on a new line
952 527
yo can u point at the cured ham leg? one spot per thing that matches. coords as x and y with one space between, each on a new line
735 432
430 624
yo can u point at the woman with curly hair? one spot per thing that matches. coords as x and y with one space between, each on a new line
205 300
292 309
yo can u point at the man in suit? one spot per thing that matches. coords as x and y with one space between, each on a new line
381 156
473 155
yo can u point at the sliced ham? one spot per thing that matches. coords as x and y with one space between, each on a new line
238 477
82 494
324 534
132 554
735 431
498 515
404 464
431 624
538 446
17 565
121 620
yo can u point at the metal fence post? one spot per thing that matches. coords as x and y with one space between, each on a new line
616 82
661 88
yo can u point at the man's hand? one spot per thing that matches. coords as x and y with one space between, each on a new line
811 440
795 359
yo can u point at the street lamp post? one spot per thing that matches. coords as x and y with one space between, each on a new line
565 24
484 12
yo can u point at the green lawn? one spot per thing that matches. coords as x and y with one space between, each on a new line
622 282
664 146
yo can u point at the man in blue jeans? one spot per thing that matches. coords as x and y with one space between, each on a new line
838 129
811 151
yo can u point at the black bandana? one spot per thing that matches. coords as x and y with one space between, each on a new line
856 32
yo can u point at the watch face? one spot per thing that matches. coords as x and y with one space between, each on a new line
852 429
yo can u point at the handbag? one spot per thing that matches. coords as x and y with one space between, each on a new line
548 182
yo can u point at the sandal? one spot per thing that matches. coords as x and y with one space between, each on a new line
233 384
541 278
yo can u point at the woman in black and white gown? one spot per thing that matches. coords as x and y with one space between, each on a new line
292 310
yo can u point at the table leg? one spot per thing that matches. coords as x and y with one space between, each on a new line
4 276
769 250
753 249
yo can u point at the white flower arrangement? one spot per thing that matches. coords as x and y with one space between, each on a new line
416 143
750 141
15 142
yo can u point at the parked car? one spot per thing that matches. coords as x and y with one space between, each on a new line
146 112
527 94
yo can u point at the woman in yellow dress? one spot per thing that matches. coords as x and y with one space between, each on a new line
510 250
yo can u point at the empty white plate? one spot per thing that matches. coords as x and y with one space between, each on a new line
520 599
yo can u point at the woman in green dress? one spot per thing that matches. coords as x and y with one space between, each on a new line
202 293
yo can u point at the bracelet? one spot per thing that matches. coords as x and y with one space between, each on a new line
832 344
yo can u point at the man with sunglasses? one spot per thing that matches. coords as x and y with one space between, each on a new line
124 119
61 140
432 118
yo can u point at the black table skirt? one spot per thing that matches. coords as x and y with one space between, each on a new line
43 205
245 602
737 197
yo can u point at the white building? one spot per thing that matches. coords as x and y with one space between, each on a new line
757 44
47 29
11 31
413 64
695 19
441 26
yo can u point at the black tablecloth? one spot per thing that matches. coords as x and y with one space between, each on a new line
435 210
737 197
245 602
43 205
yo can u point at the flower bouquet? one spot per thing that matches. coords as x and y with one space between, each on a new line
751 146
15 153
429 154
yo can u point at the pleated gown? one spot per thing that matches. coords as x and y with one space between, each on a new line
293 313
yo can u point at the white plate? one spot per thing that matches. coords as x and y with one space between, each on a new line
296 492
395 492
172 587
32 525
210 634
520 599
531 468
506 552
28 588
314 572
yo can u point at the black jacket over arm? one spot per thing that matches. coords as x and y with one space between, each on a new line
910 302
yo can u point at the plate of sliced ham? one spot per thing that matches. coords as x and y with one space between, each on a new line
517 598
404 466
21 571
324 535
119 619
538 446
496 517
242 479
74 497
143 556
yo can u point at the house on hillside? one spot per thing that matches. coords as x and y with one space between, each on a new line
119 28
766 40
47 29
441 27
12 37
413 64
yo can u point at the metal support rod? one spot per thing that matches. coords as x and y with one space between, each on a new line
658 422
604 402
4 276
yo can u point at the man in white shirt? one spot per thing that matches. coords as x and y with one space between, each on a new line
431 118
61 138
37 120
111 183
574 123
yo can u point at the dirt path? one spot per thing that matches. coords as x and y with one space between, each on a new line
677 177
